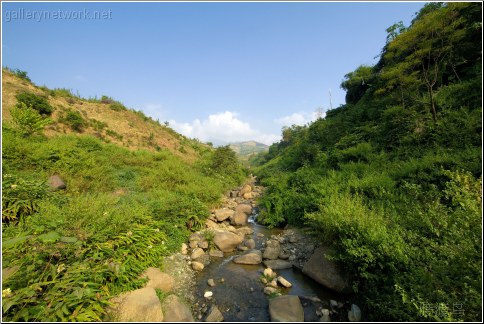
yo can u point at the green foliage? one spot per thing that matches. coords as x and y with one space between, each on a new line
21 74
392 180
122 212
36 102
117 106
27 120
74 119
20 197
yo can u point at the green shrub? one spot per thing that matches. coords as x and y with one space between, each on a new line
74 119
36 102
117 106
27 120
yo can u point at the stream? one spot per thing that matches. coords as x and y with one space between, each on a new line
238 291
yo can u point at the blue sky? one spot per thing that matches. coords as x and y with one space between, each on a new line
215 71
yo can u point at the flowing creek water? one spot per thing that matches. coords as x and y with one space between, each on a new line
238 291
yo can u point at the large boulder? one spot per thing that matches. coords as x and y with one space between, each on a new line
141 305
158 279
227 241
241 215
175 310
250 257
273 249
278 264
286 308
56 183
326 271
223 214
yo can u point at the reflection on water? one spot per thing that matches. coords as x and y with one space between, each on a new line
240 296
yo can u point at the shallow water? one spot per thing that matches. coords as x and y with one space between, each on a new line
241 298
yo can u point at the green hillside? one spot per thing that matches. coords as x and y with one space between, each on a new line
392 179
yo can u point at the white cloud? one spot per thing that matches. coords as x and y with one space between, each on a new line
155 110
224 126
299 118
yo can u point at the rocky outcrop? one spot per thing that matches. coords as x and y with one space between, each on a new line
286 308
175 310
326 271
250 257
226 241
158 279
141 305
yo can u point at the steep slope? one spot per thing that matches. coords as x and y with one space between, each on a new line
104 118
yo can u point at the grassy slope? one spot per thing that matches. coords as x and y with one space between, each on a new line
135 128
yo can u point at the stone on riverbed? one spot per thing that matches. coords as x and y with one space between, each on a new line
197 266
227 241
242 212
158 279
286 308
216 253
354 315
223 214
284 282
197 253
250 257
250 243
175 310
272 251
278 264
326 271
214 315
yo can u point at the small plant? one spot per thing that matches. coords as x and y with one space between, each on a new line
209 235
36 102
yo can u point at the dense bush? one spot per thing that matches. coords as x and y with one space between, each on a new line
36 102
74 119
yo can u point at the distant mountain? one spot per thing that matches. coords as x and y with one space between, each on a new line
246 149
